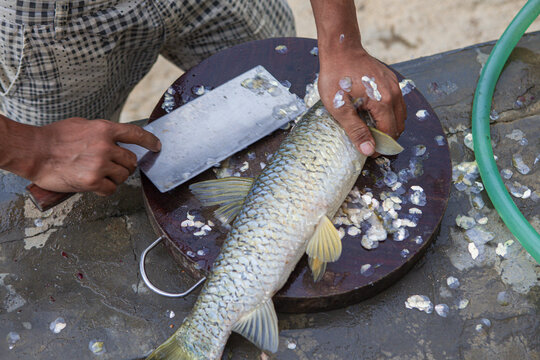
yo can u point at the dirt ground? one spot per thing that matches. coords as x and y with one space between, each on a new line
392 30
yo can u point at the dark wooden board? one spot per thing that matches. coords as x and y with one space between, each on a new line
343 284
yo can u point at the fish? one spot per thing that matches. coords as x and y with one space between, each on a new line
276 218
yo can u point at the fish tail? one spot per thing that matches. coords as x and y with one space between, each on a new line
173 349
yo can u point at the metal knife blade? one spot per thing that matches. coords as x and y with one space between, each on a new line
214 126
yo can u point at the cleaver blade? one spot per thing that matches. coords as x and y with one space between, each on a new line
216 125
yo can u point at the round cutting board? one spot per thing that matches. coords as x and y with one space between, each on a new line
350 279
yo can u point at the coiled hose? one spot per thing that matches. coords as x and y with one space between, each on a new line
505 206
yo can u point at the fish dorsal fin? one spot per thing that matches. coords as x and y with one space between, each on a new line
260 327
385 144
324 246
317 267
229 193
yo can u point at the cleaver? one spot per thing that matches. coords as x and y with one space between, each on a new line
206 131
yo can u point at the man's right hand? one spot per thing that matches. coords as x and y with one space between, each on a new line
76 155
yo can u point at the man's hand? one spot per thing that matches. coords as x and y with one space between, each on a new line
81 155
373 87
74 155
351 79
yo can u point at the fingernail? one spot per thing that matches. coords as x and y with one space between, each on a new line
367 148
158 146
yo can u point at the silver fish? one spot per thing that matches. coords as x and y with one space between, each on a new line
278 217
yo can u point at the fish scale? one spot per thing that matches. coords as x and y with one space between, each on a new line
307 179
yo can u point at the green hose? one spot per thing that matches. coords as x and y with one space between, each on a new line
505 206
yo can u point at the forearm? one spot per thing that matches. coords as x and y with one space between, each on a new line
17 143
343 61
337 27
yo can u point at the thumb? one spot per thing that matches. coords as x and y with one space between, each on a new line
356 128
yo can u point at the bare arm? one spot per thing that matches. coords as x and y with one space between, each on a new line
343 57
72 155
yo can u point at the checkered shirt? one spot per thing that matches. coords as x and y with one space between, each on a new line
61 59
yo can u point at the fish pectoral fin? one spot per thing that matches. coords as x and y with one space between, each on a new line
325 244
260 327
229 193
228 212
323 247
317 267
385 144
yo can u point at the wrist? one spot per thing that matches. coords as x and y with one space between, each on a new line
20 148
337 27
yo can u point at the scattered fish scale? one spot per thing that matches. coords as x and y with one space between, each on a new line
168 100
96 346
282 49
516 135
419 150
465 222
338 99
477 202
291 345
371 88
517 161
439 139
12 339
442 310
506 173
462 303
367 270
501 250
422 115
57 325
518 190
199 90
503 298
406 86
452 282
420 302
494 115
464 176
401 234
417 196
418 240
345 84
468 141
484 324
478 235
473 250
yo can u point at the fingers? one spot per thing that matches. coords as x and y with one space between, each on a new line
125 158
122 164
389 113
400 112
355 128
105 187
108 181
383 114
117 174
132 134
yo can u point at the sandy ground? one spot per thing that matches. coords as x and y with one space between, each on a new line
392 30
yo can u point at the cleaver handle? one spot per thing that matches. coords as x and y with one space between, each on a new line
45 199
